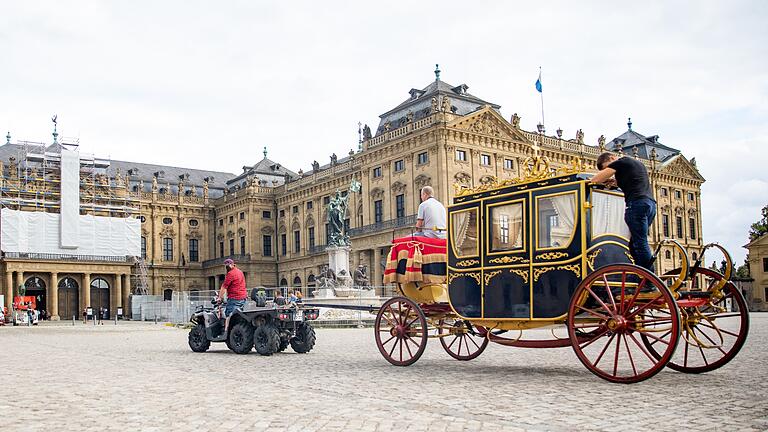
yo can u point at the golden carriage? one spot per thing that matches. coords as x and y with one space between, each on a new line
548 251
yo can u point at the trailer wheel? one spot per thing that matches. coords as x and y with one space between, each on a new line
266 339
197 339
304 340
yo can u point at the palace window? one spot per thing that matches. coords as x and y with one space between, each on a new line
311 236
167 249
378 211
346 225
692 228
267 241
142 219
461 155
284 244
282 213
231 246
400 205
667 254
399 165
665 225
679 226
144 247
221 222
242 245
242 216
664 192
327 233
309 205
377 172
326 200
295 210
167 221
509 164
690 196
193 250
422 158
194 222
266 214
765 265
297 241
485 159
231 219
678 194
221 249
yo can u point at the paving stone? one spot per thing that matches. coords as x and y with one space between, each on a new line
138 376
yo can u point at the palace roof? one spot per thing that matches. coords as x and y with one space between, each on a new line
631 139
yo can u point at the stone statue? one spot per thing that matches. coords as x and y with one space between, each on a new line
366 132
154 183
580 136
361 277
387 126
601 143
333 159
409 117
337 212
205 188
326 278
515 121
445 105
315 166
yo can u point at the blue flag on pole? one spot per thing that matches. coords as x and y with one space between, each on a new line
538 83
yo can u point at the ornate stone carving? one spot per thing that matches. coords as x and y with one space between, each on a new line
168 281
580 136
268 230
422 180
377 193
485 124
463 178
601 143
434 104
515 121
398 187
445 105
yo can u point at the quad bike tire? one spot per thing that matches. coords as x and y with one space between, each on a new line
304 340
266 339
197 339
240 339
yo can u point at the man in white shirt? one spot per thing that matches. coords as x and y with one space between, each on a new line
431 215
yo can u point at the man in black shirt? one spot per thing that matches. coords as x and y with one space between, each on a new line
632 178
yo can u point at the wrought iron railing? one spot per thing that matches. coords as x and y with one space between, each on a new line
66 257
220 261
384 225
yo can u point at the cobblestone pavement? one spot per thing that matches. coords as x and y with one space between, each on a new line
137 376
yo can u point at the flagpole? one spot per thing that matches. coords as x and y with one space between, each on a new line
541 93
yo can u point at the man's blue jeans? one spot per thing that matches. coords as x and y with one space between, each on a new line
232 305
639 216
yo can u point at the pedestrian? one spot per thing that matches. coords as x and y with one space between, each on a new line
431 215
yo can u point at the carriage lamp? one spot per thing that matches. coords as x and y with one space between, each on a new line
540 128
559 133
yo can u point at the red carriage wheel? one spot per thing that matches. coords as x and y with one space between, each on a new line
712 333
609 314
460 340
401 331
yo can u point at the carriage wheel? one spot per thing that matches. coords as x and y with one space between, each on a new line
608 316
460 341
401 331
712 334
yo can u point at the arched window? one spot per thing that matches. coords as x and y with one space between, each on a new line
283 282
694 256
69 283
167 294
297 281
311 280
99 283
34 284
667 254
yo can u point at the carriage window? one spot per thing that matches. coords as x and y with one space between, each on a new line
608 215
556 220
507 228
464 233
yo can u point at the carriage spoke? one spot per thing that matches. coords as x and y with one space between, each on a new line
589 290
387 341
605 348
589 342
406 315
616 355
629 354
736 335
473 341
455 338
410 354
639 288
703 356
608 291
593 312
656 338
646 305
394 345
642 348
714 344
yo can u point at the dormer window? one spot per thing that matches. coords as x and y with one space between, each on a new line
416 93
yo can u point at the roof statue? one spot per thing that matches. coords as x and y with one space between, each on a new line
515 121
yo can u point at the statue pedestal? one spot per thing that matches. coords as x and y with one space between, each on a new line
338 261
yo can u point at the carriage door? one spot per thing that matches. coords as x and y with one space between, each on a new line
557 249
506 258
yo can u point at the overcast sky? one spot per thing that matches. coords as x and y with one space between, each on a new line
208 84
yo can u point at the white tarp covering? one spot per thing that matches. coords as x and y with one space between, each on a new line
70 198
608 215
39 232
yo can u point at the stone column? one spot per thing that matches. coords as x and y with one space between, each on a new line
19 280
85 290
377 279
116 299
126 295
9 290
53 296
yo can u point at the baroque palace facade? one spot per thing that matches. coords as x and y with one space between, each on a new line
273 222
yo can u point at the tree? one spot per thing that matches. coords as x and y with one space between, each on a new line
760 227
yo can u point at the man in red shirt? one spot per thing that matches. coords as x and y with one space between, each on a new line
234 286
